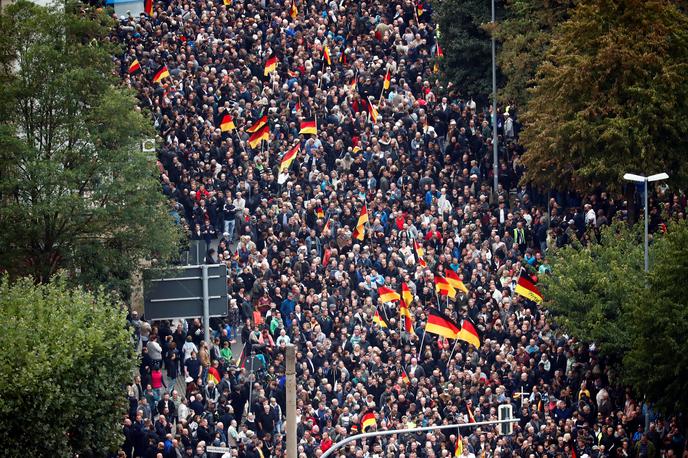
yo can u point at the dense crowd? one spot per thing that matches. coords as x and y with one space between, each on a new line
297 275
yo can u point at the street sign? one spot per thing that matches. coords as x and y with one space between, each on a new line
179 293
504 412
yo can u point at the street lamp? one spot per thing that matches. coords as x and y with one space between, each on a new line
641 179
495 151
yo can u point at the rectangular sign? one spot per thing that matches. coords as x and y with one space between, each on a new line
178 293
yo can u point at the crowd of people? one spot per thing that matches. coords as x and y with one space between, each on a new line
418 157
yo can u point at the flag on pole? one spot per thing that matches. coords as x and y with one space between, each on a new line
289 157
326 55
380 320
405 316
161 73
388 80
227 124
309 127
148 7
459 446
406 295
454 280
293 11
261 134
353 85
440 324
387 295
227 2
258 124
319 213
359 231
420 9
471 418
367 421
404 377
443 287
372 111
134 67
328 226
270 65
326 257
469 333
526 288
420 252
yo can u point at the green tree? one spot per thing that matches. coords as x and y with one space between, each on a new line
67 358
77 192
611 96
525 35
599 293
467 46
657 363
591 288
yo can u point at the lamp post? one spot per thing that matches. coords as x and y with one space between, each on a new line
495 158
641 179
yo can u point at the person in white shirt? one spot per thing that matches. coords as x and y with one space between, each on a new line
188 348
590 217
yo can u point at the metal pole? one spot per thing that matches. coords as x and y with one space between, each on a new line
647 257
343 442
206 305
291 400
495 167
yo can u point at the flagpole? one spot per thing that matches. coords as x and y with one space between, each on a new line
452 352
420 349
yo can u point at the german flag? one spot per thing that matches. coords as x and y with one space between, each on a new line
289 157
459 446
420 9
227 2
353 85
387 81
359 231
405 317
526 288
293 11
404 377
471 418
261 134
372 111
227 124
320 213
380 320
326 55
367 421
297 107
455 281
270 65
469 334
327 228
214 375
438 51
326 257
148 7
134 67
440 324
258 124
443 287
406 295
387 295
309 127
342 58
161 73
420 252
